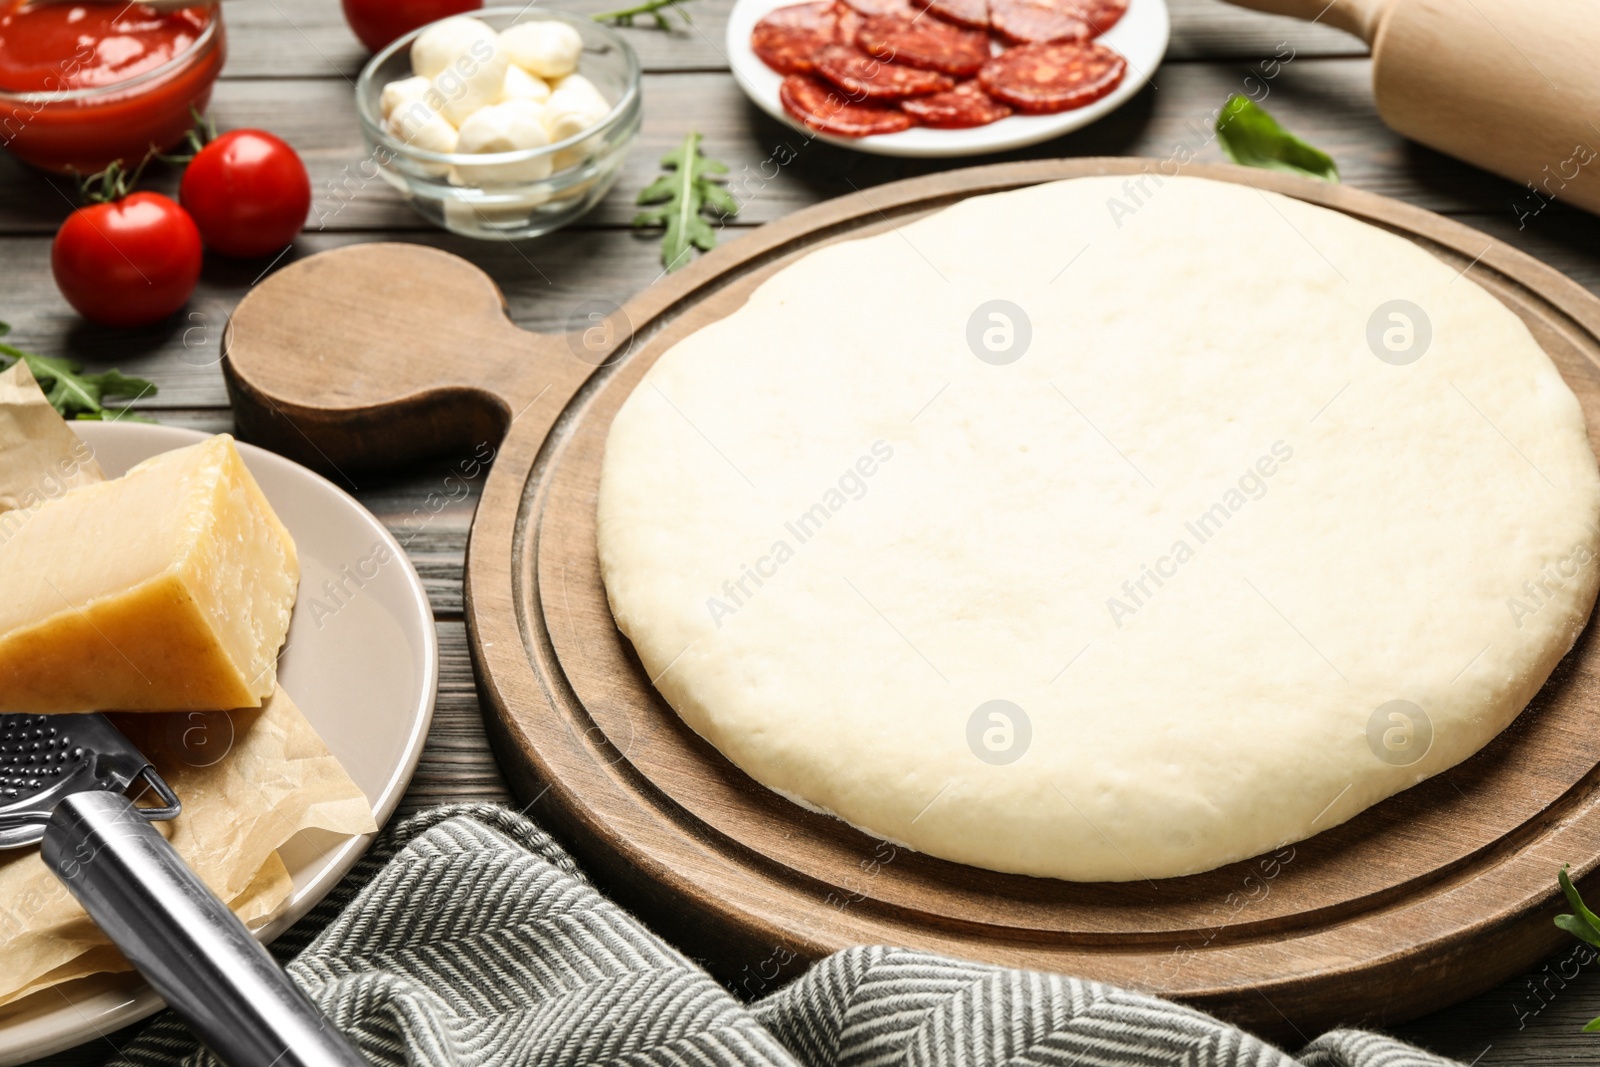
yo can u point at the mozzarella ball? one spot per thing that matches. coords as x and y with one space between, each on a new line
419 126
503 127
507 127
458 100
444 42
574 105
399 93
549 49
520 85
579 89
472 82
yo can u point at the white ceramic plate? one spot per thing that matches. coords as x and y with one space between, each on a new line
1141 37
365 678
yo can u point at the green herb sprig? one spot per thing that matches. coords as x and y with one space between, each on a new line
72 393
1252 138
681 198
658 10
1582 924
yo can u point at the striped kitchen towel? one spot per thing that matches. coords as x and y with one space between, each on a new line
467 938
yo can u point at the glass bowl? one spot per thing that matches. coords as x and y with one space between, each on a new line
517 209
84 130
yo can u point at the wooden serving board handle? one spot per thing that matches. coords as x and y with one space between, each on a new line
1511 85
378 355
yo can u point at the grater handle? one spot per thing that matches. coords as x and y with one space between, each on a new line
186 943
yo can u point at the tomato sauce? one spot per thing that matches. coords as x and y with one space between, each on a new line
84 84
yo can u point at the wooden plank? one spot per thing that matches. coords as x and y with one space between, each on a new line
456 766
545 281
429 511
309 39
1328 102
1533 1020
1210 30
206 420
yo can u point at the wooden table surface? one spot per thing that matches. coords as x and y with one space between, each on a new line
291 69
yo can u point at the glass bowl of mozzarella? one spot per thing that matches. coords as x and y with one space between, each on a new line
503 124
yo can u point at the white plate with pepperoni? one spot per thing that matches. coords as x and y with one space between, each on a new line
929 78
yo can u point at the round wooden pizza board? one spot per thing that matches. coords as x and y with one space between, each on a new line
379 355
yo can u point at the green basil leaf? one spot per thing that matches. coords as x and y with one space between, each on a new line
1252 138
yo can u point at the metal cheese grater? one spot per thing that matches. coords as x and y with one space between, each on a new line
63 783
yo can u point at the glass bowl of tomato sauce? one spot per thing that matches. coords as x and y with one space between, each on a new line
84 84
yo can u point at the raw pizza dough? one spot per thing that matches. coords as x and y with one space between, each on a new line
1241 552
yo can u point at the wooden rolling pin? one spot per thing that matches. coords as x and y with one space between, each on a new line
1511 85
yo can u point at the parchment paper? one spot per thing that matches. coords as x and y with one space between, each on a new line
249 779
40 456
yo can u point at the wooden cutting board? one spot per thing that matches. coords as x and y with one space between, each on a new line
381 355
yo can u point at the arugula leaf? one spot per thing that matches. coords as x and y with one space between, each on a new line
71 392
683 196
1578 929
1582 924
1252 138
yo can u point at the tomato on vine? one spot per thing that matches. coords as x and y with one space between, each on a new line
248 192
126 258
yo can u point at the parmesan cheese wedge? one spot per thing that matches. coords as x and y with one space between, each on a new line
168 589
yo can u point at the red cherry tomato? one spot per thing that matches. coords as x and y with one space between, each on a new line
377 22
129 262
248 193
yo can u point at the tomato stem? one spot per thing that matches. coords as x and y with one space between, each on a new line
115 182
202 133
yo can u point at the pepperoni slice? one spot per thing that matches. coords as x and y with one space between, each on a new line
1043 78
881 7
964 106
927 42
1042 21
847 23
973 14
787 39
866 78
823 108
